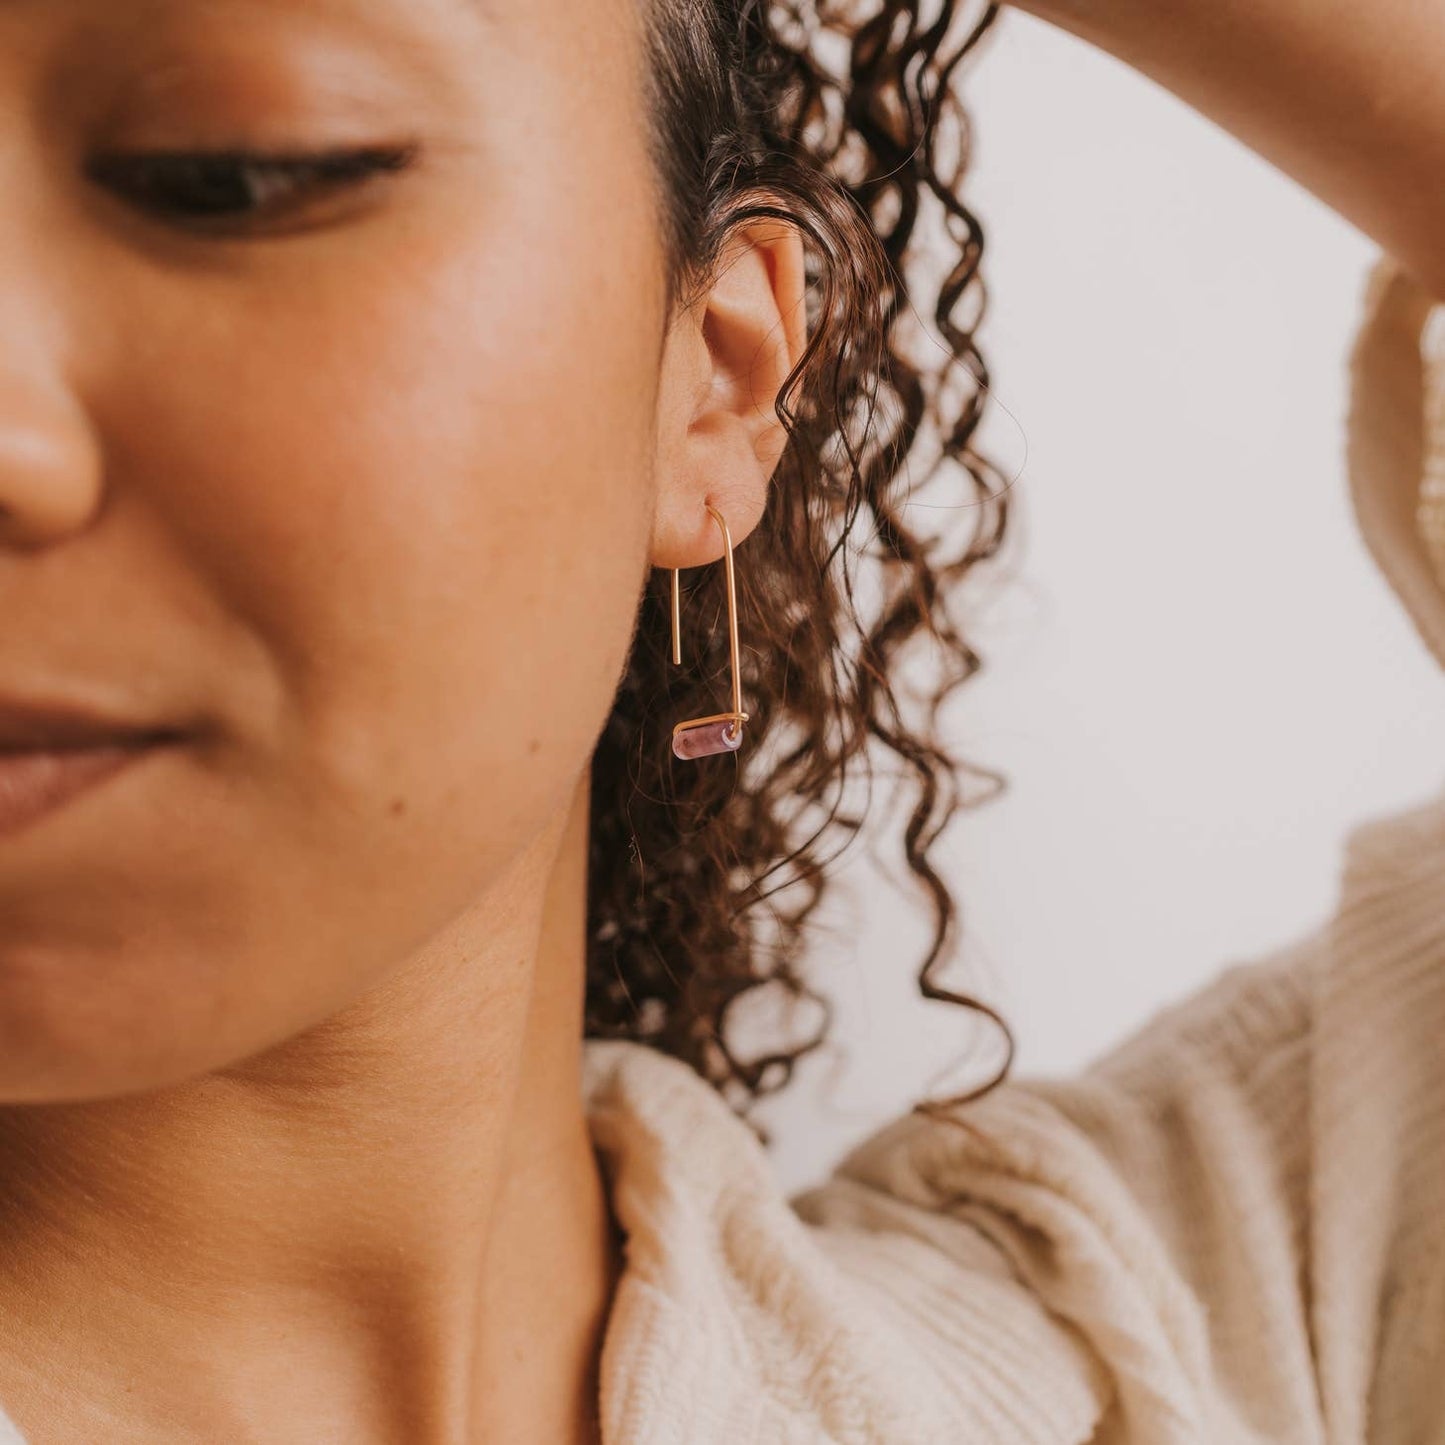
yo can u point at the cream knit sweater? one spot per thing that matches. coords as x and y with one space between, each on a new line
1229 1229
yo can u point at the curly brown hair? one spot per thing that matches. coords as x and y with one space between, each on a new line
751 120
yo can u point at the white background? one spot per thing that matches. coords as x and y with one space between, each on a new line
1196 681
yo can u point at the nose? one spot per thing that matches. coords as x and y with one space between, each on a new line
49 472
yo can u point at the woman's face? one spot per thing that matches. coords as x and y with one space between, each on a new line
359 486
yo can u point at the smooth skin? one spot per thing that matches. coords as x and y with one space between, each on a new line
291 1139
370 495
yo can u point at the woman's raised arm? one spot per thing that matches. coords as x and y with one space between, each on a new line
1345 96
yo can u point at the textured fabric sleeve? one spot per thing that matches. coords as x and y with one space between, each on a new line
1155 1204
1239 1207
1396 442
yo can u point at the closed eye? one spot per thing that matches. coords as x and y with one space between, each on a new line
202 188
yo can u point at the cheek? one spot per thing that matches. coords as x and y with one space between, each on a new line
444 532
447 500
421 497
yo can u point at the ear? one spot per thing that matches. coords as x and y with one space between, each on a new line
724 363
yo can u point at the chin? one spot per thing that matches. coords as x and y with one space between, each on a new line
60 1043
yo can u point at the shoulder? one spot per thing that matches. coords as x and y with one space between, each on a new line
1236 1207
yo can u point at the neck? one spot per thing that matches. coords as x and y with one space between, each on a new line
394 1220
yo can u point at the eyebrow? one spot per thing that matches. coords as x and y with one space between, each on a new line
401 33
142 15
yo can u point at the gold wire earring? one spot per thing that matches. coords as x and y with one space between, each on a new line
720 732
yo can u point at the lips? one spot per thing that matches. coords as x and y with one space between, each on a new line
52 752
34 784
38 727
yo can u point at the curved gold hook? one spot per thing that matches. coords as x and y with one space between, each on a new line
711 738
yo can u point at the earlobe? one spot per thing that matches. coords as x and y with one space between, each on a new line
753 329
